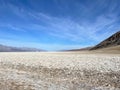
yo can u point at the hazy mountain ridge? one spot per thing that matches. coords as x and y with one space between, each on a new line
81 49
4 48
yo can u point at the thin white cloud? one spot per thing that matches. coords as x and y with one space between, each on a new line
12 27
66 28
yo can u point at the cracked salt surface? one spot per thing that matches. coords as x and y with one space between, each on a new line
59 71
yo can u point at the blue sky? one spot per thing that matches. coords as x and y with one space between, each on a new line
57 24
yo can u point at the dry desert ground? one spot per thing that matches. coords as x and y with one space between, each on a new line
59 71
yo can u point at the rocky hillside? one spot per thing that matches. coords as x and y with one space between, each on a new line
111 41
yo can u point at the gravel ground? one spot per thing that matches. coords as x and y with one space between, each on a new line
59 71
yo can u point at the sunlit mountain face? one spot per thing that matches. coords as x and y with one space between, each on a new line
57 24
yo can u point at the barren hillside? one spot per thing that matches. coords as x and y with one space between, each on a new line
111 41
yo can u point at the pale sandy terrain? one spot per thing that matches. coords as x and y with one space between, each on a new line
59 71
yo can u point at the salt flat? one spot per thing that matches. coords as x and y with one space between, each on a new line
59 71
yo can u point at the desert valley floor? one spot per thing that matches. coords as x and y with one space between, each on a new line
59 71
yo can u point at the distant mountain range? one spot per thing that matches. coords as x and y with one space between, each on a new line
4 48
81 49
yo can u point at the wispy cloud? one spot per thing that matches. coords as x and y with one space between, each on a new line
12 27
69 29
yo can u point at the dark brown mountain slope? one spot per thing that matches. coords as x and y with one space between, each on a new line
113 40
